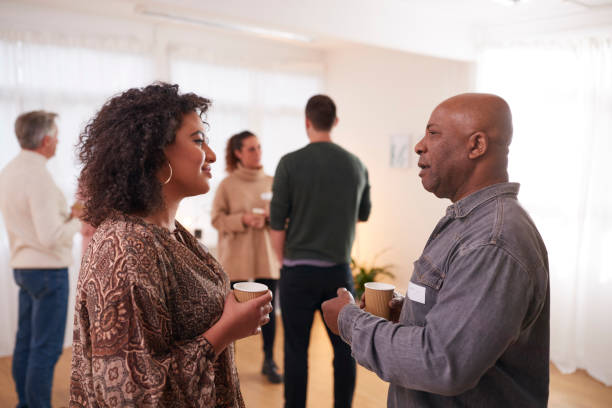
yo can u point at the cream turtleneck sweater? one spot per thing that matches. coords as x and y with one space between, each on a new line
36 214
245 252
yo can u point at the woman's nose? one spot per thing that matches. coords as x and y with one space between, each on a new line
210 155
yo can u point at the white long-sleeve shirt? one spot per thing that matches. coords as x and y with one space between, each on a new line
35 214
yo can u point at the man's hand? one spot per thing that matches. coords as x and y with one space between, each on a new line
395 304
331 308
76 211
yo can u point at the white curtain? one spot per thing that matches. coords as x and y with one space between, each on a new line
73 77
561 98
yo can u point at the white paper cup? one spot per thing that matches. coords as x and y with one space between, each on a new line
377 297
244 291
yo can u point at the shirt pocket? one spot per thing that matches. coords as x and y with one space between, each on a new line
428 276
427 273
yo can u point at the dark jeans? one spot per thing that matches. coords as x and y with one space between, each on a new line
268 331
43 302
302 290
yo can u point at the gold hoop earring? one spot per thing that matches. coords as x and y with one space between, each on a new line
170 176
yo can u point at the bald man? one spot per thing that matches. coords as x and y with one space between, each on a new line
473 329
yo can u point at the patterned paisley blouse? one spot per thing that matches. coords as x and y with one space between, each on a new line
144 298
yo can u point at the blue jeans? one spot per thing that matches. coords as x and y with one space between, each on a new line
43 302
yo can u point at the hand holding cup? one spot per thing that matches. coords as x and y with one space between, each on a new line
378 297
254 220
247 310
395 305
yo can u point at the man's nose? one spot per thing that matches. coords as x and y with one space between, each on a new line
419 148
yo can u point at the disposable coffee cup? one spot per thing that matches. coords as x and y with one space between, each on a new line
245 291
377 297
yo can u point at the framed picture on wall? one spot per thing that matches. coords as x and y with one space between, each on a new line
401 153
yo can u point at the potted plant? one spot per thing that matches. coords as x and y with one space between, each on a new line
363 273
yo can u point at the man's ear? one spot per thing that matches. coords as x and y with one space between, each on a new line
46 140
335 122
478 143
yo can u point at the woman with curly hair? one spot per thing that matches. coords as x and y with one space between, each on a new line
239 214
155 320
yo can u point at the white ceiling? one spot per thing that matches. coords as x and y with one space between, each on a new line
445 28
442 28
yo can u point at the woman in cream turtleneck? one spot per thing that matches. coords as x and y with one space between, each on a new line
240 213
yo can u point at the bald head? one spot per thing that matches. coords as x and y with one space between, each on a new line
480 112
466 145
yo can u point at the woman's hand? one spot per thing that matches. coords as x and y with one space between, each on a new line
239 320
246 318
257 221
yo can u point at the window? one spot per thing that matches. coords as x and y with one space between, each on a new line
269 103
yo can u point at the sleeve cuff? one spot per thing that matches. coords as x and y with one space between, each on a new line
278 216
277 227
207 348
276 223
346 321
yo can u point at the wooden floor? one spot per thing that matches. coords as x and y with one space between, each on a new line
577 390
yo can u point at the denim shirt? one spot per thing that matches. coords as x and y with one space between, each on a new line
474 327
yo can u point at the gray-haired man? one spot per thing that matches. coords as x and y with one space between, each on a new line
40 230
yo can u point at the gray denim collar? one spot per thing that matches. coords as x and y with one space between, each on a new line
464 206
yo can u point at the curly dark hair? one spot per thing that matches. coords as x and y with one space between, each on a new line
121 149
235 143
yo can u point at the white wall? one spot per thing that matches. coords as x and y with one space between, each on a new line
379 93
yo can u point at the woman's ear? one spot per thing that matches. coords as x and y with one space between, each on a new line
478 144
238 154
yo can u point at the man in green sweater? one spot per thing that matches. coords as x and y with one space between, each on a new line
319 193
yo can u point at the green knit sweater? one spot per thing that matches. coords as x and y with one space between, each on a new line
319 193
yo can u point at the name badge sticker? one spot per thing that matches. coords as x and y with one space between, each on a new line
416 293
